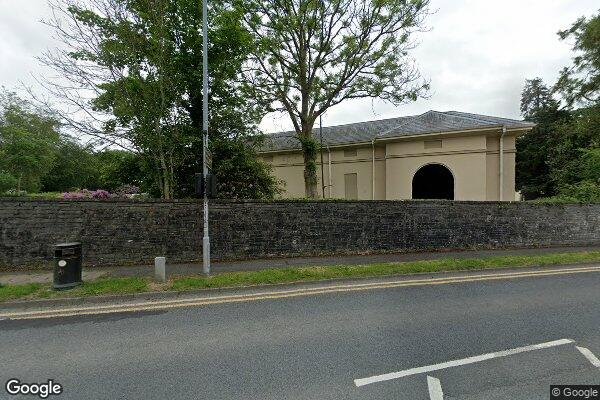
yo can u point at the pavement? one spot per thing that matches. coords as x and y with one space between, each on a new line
37 276
467 338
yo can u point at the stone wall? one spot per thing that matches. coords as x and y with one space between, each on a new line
134 232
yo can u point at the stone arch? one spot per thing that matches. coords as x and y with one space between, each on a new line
433 181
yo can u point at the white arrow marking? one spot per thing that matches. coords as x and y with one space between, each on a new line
435 388
590 356
456 363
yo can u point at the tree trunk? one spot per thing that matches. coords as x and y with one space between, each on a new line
167 189
310 177
309 151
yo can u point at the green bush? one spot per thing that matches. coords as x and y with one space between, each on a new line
7 182
582 192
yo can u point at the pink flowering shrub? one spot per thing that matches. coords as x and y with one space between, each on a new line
127 191
101 194
88 194
122 192
80 194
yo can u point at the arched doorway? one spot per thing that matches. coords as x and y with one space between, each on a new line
433 181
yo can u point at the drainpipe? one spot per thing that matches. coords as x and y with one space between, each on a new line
321 151
373 171
502 163
329 178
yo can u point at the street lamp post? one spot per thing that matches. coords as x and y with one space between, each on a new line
206 237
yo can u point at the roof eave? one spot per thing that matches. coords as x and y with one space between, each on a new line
407 137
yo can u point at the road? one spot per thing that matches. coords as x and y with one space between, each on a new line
327 346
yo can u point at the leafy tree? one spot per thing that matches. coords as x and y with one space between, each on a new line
7 182
573 157
28 141
134 68
570 145
537 100
75 167
117 168
590 165
311 55
236 162
532 169
580 83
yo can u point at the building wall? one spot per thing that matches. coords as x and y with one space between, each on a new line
493 167
473 160
134 232
463 156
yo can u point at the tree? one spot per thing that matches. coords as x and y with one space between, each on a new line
238 161
28 142
134 72
117 168
573 156
572 139
537 100
75 167
311 55
580 83
532 169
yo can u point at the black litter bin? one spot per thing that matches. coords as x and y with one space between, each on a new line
67 265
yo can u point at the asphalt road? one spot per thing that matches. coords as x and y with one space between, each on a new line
314 347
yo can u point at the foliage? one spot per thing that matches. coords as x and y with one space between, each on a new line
139 63
580 83
75 166
560 156
127 191
28 142
87 194
311 55
581 192
7 181
237 161
537 100
117 168
570 145
532 169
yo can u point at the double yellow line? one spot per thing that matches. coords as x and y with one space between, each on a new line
279 294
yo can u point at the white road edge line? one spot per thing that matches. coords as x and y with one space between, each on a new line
435 388
589 355
456 363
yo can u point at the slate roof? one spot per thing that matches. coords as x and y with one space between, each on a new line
428 123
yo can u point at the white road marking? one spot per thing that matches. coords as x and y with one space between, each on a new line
589 355
456 363
435 388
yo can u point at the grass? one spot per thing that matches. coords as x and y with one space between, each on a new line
107 286
289 275
9 292
96 288
42 195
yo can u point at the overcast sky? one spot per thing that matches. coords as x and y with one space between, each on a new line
477 55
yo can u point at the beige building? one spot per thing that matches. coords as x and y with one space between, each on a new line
436 155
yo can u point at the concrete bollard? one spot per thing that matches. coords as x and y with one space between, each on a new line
160 269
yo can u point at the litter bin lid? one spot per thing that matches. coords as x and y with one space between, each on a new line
66 245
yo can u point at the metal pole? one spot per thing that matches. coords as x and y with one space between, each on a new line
322 170
206 237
